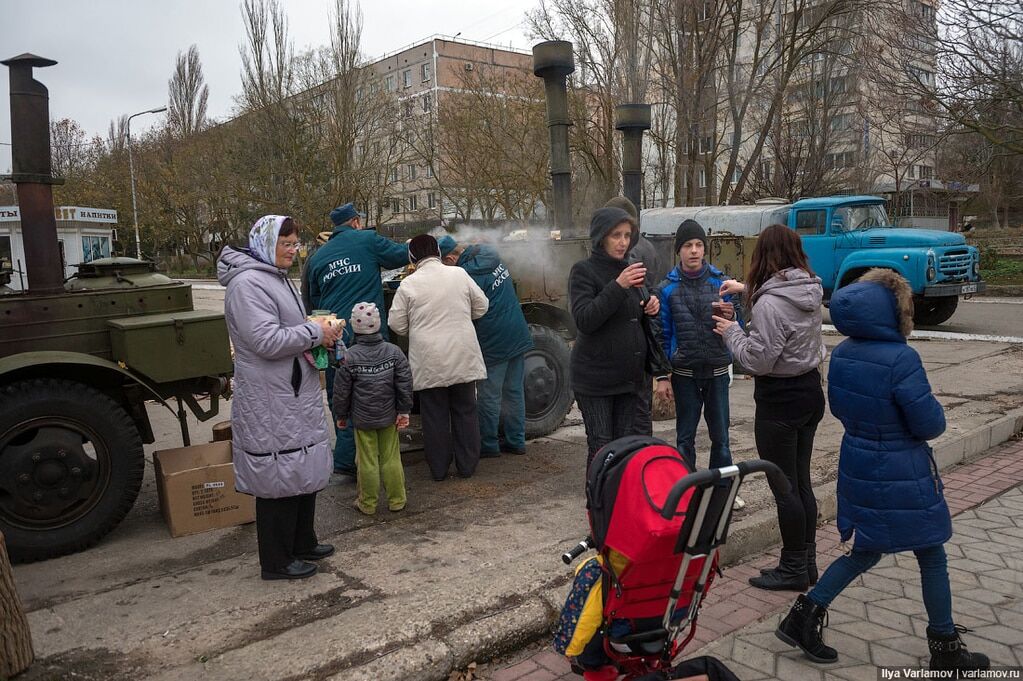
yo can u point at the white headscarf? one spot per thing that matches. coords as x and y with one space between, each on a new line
263 238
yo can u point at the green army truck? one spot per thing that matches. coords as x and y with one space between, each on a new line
80 360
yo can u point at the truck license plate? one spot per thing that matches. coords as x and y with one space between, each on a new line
969 288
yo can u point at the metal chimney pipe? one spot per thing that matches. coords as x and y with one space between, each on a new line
632 120
33 174
552 61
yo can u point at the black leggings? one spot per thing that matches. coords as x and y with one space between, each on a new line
606 418
786 440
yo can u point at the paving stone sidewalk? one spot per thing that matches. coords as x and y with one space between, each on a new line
879 620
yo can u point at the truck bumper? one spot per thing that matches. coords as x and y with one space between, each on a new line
957 289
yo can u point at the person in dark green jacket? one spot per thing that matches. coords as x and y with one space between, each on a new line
343 272
504 338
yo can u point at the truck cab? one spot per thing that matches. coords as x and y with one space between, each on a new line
844 236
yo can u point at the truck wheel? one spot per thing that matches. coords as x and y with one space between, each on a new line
933 311
71 465
546 383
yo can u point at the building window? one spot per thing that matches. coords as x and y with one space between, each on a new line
911 172
6 257
429 170
431 199
411 202
424 71
394 175
925 172
389 83
702 178
765 171
410 171
427 102
95 247
407 108
735 175
376 147
395 205
406 78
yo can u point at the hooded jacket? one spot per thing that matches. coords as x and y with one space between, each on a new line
783 335
502 332
434 307
889 490
609 353
374 384
346 271
278 427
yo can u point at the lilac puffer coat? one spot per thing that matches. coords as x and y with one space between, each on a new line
280 441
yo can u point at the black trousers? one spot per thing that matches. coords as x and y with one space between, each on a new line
450 429
284 527
606 418
643 423
788 443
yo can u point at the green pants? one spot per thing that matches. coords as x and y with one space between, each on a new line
378 458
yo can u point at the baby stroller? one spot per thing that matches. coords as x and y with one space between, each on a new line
657 528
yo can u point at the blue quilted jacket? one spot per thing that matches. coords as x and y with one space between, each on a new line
889 490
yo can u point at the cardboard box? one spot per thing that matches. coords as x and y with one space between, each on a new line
196 489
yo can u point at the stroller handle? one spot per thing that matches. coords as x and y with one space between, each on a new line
710 476
577 550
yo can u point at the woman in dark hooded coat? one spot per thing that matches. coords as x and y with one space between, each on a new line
608 361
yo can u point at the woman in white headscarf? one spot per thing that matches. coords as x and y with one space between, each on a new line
282 453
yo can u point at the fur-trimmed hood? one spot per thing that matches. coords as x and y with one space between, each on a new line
878 305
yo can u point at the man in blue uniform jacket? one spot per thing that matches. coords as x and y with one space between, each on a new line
343 272
504 338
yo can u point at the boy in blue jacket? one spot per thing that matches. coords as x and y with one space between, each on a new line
889 491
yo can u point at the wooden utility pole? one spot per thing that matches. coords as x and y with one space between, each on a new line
15 639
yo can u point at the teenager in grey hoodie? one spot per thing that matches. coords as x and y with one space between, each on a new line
782 347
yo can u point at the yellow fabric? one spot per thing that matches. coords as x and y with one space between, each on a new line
592 615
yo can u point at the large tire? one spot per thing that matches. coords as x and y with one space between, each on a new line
548 390
71 464
933 311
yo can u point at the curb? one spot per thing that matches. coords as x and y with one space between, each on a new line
492 635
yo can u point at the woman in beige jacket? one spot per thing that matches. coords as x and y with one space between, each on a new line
435 307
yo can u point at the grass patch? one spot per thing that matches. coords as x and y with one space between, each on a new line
1004 271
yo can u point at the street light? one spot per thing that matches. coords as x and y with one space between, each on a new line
131 171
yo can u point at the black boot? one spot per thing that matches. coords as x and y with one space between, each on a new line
948 652
803 628
811 562
790 575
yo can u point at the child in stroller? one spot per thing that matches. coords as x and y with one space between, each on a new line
657 528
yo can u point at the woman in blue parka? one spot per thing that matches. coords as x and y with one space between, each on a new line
889 491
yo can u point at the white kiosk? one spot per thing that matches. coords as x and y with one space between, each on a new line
84 234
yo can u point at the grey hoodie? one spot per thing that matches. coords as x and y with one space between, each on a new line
783 337
278 427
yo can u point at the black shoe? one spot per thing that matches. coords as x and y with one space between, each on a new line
512 450
803 628
348 472
811 564
790 575
489 455
316 553
296 569
948 652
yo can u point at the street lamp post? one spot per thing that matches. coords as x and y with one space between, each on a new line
131 172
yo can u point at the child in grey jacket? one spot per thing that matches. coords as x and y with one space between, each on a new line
374 388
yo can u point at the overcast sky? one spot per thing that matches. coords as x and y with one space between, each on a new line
116 56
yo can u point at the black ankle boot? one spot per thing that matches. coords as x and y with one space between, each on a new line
811 562
790 575
803 628
949 652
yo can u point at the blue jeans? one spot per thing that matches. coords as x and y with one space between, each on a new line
500 398
933 577
344 448
709 395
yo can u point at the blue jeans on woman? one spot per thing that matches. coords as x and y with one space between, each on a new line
709 395
933 577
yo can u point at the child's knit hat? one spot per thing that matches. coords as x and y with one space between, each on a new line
365 318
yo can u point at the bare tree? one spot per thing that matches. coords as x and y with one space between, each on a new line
187 94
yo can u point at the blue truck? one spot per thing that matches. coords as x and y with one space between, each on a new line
844 236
